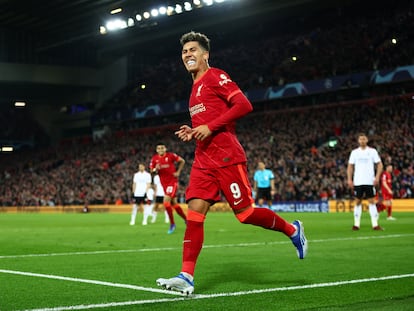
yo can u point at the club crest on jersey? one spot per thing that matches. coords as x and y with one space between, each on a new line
224 79
199 90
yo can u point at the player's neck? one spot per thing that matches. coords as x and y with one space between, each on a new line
198 74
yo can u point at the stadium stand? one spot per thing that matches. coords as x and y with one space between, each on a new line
294 135
88 172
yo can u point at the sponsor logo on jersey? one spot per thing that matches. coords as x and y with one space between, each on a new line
224 79
197 108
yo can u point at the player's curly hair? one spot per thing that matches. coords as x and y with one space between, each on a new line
202 39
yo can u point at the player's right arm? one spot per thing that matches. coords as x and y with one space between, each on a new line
350 173
153 167
185 133
384 183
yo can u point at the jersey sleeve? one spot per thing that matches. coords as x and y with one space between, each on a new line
229 91
377 158
176 157
152 163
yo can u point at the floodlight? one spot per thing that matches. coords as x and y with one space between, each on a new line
162 10
154 12
19 104
115 11
178 9
187 6
170 10
116 24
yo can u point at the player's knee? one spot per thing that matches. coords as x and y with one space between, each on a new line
244 215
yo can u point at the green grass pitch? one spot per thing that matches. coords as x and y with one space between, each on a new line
98 262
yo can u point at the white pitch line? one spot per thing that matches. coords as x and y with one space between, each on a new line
160 249
64 278
240 293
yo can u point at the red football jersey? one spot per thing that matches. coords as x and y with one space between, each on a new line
386 179
211 103
166 167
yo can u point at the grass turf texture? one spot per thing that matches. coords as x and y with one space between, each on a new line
240 268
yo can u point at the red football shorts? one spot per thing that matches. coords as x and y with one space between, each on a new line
170 189
386 196
231 180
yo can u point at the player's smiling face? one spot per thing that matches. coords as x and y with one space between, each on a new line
194 57
161 150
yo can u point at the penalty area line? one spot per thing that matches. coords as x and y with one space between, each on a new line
210 296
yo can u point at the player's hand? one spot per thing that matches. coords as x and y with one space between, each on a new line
201 132
155 170
350 184
185 133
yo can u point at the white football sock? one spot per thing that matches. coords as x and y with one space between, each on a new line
357 215
147 212
374 215
134 213
154 216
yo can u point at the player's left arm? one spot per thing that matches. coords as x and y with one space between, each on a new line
180 166
149 185
239 107
379 169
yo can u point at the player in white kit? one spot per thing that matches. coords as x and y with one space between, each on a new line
364 172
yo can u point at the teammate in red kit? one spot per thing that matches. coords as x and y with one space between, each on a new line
386 190
220 163
164 164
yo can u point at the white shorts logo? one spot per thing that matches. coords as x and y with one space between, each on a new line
237 202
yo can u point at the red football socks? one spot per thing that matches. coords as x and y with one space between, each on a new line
193 240
169 210
179 211
267 219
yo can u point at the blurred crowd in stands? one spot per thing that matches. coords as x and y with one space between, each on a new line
293 143
307 146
